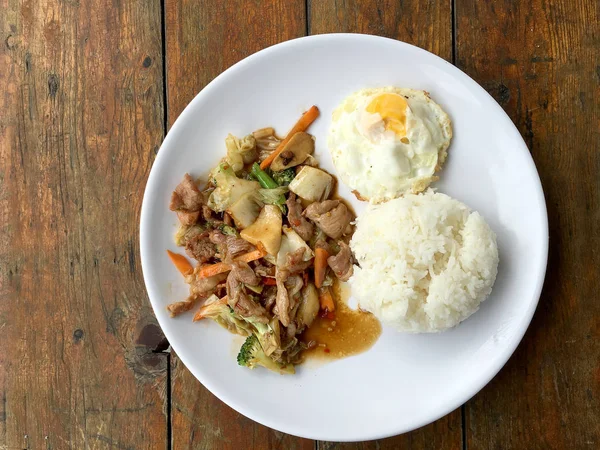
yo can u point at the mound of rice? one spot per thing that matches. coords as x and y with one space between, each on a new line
426 262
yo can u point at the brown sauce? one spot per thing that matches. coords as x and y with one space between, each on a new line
351 331
335 195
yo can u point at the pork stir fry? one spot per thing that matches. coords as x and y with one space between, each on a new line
268 241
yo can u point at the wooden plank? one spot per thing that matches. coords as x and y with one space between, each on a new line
425 24
539 58
429 26
80 125
445 433
200 420
203 39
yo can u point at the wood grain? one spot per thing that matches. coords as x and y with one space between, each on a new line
202 421
80 122
445 433
428 25
539 58
203 39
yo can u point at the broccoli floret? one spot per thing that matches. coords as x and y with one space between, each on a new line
251 355
284 177
227 230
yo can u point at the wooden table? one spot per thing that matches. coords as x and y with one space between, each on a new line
89 89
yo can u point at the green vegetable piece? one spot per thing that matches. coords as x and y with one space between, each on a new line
263 177
284 177
268 183
227 230
229 188
251 355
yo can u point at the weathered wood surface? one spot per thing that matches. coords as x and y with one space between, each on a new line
80 122
540 60
81 118
427 24
203 38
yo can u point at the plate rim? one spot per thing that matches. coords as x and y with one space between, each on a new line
485 377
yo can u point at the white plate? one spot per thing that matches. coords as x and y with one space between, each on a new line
404 381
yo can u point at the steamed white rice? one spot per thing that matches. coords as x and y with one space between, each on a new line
426 262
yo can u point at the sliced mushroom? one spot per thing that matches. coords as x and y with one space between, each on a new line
295 152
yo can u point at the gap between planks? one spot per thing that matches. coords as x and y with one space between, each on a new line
163 37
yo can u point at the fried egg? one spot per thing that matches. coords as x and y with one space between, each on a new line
388 141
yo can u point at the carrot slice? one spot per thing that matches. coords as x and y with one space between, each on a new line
253 255
269 281
326 299
200 313
181 262
321 256
307 118
211 270
215 269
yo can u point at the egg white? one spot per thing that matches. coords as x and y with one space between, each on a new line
377 164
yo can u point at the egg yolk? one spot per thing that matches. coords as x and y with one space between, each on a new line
392 109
